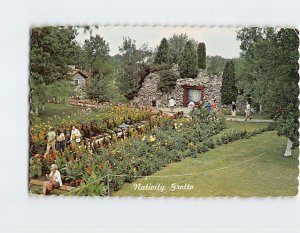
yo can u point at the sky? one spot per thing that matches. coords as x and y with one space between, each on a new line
218 40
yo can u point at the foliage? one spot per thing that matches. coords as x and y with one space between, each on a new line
162 55
96 51
176 47
228 89
269 73
134 67
167 80
188 64
215 64
201 52
41 93
52 49
92 186
35 167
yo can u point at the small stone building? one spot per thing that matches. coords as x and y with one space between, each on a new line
203 86
78 80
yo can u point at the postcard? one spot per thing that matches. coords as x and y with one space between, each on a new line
161 111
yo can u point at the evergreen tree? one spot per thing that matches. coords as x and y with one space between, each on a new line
228 89
167 80
188 63
201 52
162 55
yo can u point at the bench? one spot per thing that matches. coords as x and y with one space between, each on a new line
40 183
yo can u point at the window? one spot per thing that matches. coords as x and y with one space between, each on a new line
76 82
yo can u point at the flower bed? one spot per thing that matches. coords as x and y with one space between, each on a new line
141 155
93 124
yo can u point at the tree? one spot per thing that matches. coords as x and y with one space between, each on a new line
271 67
188 64
215 64
52 49
228 89
134 67
201 52
96 51
162 55
103 86
167 80
176 46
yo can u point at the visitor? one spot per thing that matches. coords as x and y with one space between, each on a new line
67 133
172 104
247 111
233 110
51 136
54 180
191 106
208 106
214 105
60 141
153 103
157 104
75 136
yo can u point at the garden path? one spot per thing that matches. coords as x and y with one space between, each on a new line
187 110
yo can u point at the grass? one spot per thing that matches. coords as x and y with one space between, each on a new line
52 109
242 172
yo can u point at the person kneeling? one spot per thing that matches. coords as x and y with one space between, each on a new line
54 181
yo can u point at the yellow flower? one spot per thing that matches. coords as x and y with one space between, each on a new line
152 139
143 139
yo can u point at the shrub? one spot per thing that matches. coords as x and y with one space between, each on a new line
167 80
35 169
210 143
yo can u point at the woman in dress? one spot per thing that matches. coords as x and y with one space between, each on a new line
233 110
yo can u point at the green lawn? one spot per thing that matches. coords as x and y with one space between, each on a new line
234 169
52 109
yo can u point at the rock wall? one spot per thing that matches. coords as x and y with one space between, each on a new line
148 91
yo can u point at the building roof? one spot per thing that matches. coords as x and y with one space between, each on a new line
74 71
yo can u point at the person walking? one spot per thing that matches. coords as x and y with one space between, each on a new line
247 111
60 141
214 105
233 110
75 136
51 137
153 103
172 104
157 104
208 106
191 106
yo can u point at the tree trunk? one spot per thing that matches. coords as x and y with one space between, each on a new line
288 151
37 111
260 108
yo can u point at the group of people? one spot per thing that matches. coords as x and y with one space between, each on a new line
211 106
247 111
57 140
